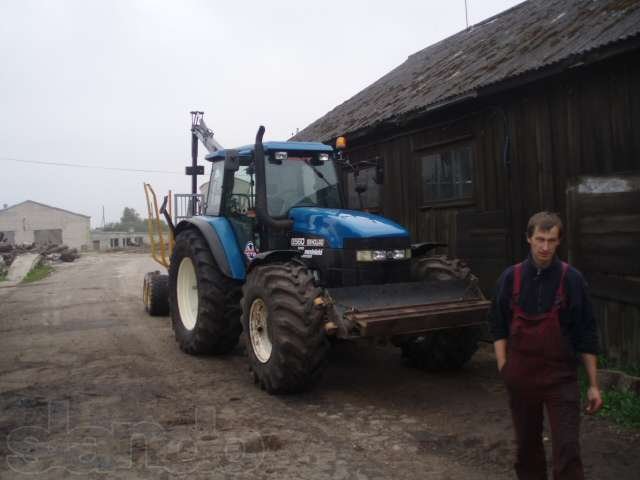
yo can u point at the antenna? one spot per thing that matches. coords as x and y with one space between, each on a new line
466 12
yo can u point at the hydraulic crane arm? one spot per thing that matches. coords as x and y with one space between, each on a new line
205 135
199 131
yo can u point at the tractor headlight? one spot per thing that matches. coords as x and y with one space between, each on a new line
364 255
381 255
401 254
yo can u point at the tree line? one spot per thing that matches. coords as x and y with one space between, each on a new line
131 221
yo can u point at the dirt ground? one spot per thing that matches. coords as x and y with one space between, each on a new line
92 387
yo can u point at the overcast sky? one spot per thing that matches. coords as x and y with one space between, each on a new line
110 83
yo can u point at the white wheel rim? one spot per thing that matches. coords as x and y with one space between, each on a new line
145 293
187 290
258 330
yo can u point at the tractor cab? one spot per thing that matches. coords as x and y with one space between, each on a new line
296 174
284 199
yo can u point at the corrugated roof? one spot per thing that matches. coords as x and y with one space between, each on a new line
528 37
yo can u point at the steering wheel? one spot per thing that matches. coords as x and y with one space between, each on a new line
305 202
239 203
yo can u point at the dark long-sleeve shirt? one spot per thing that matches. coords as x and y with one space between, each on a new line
537 293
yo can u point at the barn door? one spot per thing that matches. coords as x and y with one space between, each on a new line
481 241
48 237
9 237
603 236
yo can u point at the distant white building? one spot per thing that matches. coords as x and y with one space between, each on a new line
102 240
33 222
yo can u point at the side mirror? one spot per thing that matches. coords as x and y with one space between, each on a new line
361 188
379 178
231 160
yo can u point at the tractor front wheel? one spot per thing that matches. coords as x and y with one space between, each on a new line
205 305
284 328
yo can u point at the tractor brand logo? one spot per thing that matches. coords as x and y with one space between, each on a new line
308 242
297 242
312 252
250 251
315 242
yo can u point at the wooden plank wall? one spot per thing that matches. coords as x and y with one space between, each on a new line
619 331
583 122
604 240
481 242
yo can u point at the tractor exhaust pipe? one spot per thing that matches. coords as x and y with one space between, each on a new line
261 189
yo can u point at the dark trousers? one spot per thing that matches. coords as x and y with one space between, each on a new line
563 409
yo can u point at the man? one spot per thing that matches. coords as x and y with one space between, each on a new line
541 319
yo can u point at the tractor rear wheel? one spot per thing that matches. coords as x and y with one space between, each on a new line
446 349
284 328
205 305
155 293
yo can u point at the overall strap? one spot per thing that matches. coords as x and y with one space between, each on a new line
517 283
560 291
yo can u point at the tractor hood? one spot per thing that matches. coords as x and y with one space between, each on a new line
336 225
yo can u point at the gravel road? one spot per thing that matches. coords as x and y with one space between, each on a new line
92 387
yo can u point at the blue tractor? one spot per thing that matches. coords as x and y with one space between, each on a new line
275 255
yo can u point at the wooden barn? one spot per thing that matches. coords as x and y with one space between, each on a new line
537 108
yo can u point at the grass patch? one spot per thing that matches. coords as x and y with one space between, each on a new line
3 277
623 407
38 273
604 362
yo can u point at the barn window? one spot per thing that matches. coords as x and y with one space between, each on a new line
447 174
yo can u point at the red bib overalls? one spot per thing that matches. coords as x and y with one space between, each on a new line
541 370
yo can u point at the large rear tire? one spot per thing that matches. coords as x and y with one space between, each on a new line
205 305
284 328
155 294
447 349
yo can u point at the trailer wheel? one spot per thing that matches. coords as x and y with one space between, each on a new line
205 305
155 293
446 349
284 328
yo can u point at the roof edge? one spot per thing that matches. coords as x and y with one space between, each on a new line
46 206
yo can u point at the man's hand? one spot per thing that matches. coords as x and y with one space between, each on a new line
500 347
594 400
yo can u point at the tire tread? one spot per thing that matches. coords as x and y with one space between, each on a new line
299 341
217 328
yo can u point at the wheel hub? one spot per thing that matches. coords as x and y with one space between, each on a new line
258 330
187 290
